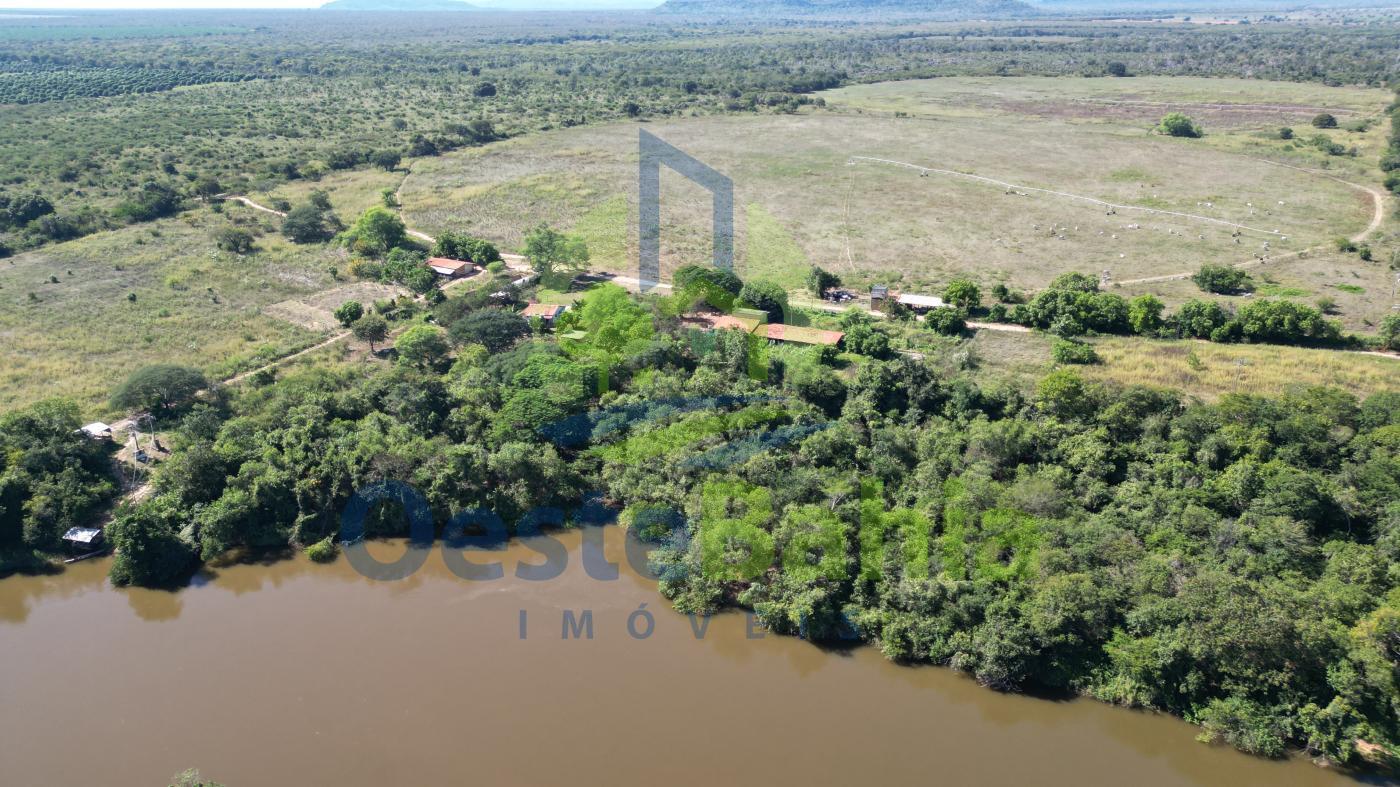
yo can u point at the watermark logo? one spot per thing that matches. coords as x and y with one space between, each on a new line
653 153
732 540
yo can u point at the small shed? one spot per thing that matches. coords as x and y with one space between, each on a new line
97 431
449 268
920 303
86 538
879 292
546 312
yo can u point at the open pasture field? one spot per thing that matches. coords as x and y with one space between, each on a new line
1198 369
317 312
1014 198
81 335
1236 115
1210 371
1217 103
1355 292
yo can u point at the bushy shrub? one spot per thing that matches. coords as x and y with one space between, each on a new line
1197 319
948 322
1067 351
1245 725
1223 280
1285 322
234 240
963 293
1175 124
868 340
1390 332
323 551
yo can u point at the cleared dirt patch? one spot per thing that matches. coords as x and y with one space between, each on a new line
317 312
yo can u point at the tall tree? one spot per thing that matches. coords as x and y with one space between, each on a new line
159 388
555 255
371 328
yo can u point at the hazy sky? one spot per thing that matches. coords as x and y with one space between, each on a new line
47 5
52 5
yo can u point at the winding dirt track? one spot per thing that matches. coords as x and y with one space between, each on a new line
518 262
1378 200
252 204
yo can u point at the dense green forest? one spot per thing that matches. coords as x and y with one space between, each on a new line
32 83
1233 563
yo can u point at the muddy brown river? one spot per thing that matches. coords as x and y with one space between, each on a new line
296 673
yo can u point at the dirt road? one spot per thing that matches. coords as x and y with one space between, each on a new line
1378 202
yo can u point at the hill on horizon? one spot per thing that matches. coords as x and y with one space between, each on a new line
942 8
399 5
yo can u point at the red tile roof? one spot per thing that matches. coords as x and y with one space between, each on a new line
715 321
453 266
546 311
798 334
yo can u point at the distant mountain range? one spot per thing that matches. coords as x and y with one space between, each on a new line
961 9
399 5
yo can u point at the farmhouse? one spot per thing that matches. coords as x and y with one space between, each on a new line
752 322
741 320
546 312
452 269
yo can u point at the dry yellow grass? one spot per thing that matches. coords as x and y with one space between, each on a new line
876 222
352 192
1212 370
107 304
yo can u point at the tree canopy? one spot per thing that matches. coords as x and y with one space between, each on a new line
158 388
494 329
554 255
1175 124
1223 279
376 231
459 246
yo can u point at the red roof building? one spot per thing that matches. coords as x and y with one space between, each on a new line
452 269
547 312
798 334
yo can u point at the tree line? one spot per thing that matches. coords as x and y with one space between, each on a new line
1232 563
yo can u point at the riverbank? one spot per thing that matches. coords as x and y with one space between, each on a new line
430 679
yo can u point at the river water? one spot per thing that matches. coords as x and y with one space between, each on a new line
297 673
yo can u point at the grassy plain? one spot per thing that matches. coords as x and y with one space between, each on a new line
1216 102
1360 293
803 199
80 336
1211 370
1196 368
799 201
351 192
